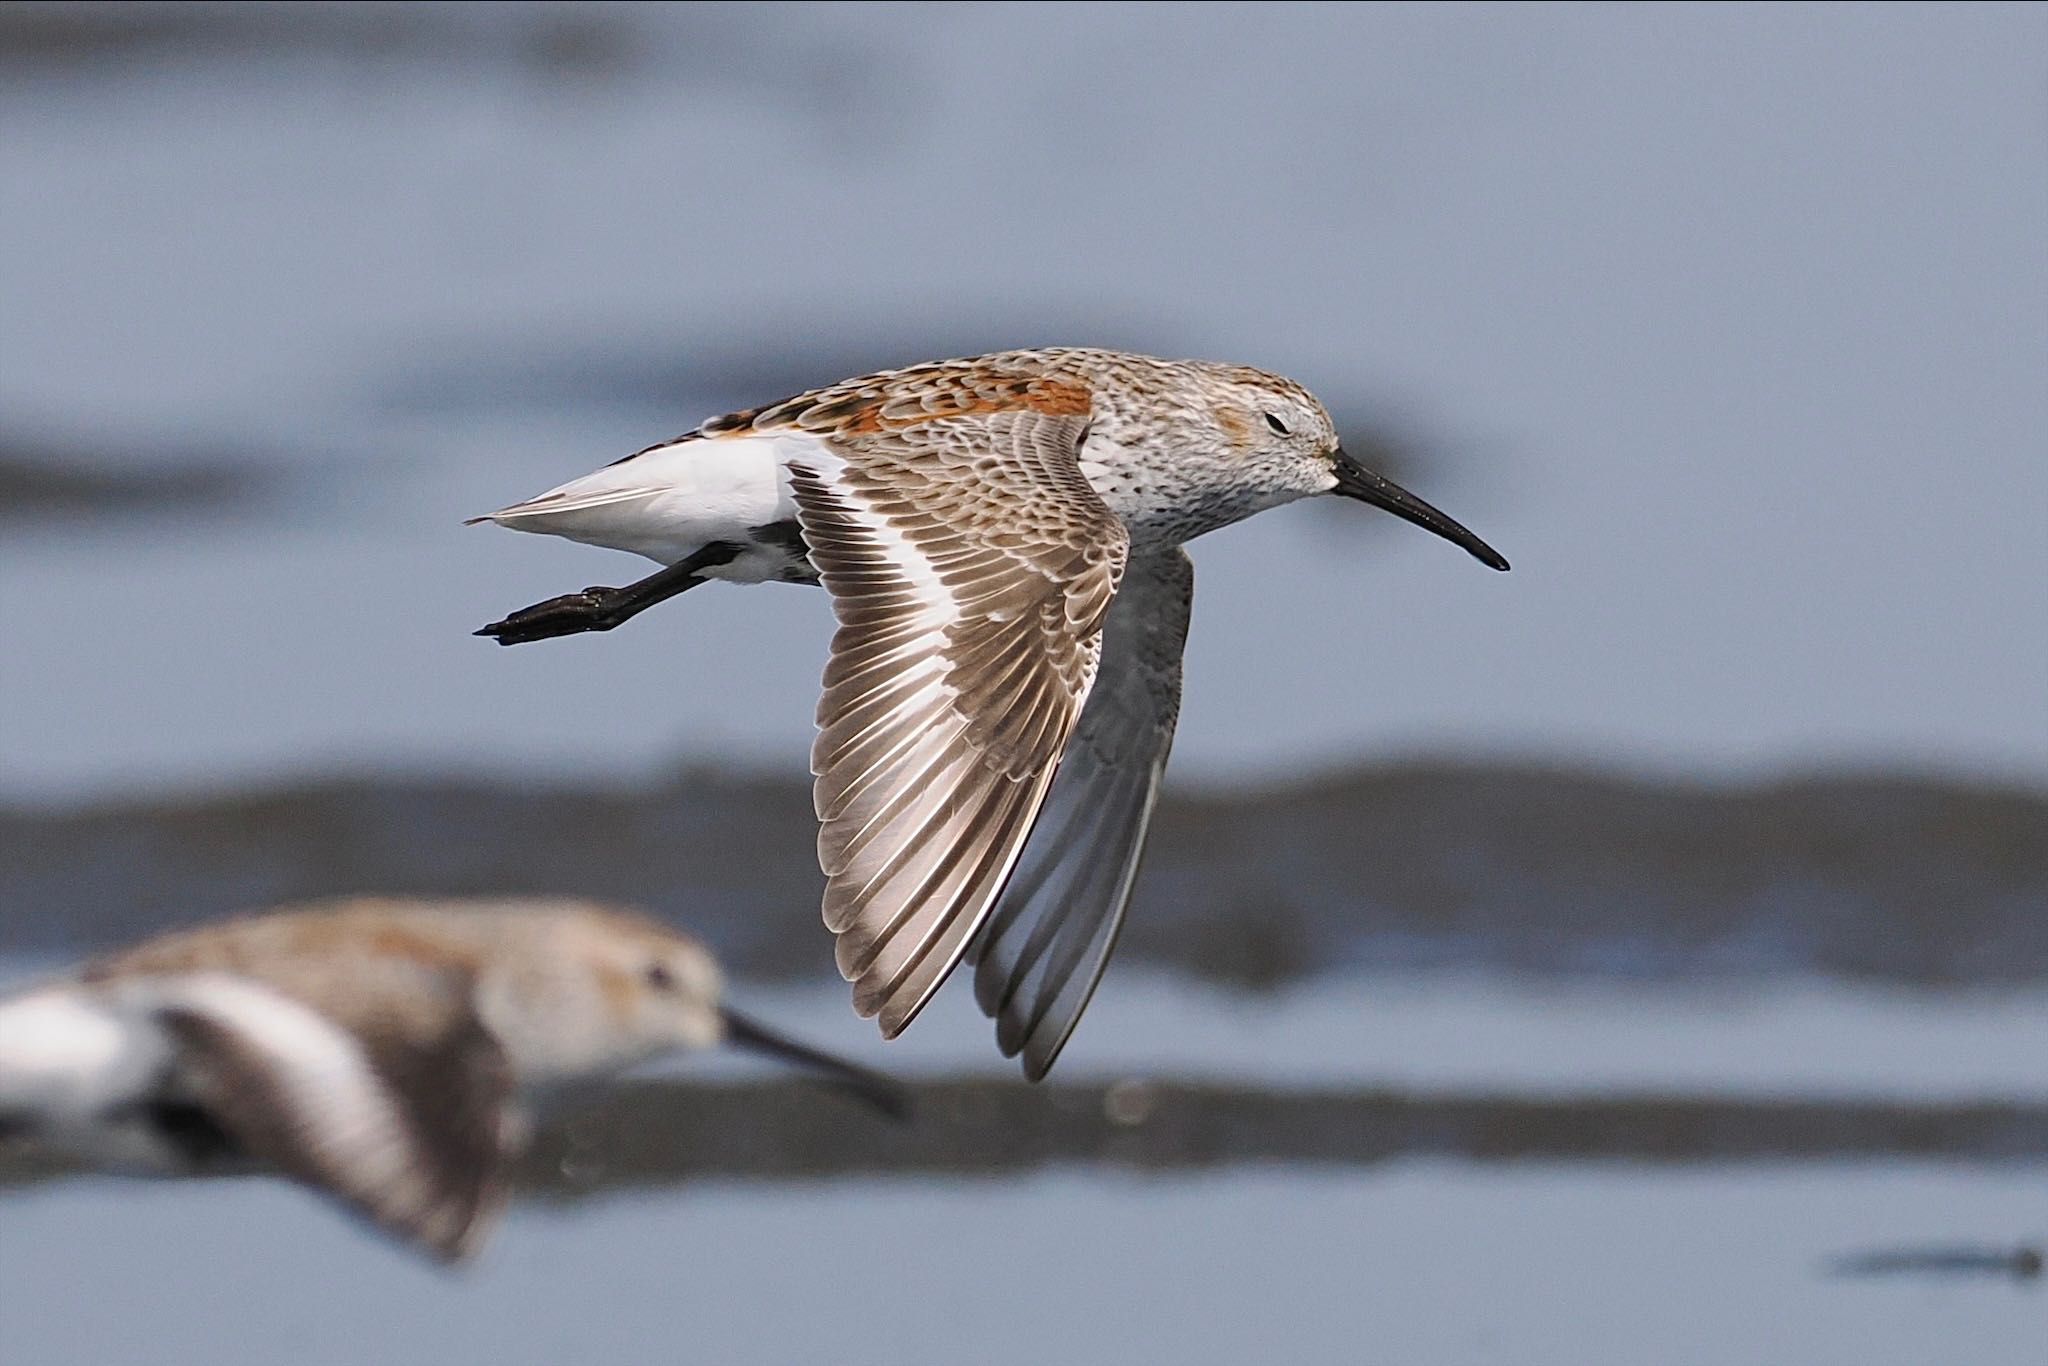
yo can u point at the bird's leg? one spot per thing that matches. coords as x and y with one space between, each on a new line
600 609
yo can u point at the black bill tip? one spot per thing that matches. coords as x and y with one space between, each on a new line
1356 481
869 1087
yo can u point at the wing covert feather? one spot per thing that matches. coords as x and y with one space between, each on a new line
413 1131
971 567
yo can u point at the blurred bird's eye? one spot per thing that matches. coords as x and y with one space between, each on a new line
660 978
1279 427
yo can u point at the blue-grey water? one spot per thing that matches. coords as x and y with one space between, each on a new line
1727 326
1453 1034
1416 1263
1417 1259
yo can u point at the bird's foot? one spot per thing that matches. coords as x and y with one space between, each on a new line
594 609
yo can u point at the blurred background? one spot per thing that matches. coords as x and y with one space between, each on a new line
1635 948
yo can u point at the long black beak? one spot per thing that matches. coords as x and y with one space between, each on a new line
872 1087
1356 481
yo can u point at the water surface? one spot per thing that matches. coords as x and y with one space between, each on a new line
1420 1263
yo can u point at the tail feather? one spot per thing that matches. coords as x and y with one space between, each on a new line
566 499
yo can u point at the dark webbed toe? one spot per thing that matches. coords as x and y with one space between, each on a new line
600 609
571 614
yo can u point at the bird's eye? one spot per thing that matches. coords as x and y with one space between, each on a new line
1279 427
660 978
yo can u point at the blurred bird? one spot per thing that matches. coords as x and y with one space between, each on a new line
376 1051
1002 538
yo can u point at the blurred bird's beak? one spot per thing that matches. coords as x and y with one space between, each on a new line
1356 481
872 1087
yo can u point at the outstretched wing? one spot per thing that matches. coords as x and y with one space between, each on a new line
410 1129
970 566
1044 948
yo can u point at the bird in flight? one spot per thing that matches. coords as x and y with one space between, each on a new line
1002 539
379 1052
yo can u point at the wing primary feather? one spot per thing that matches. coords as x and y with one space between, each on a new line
1043 950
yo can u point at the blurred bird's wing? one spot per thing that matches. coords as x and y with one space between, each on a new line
406 1117
970 565
1044 947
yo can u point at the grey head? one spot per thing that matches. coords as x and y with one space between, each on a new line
1276 426
1181 448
